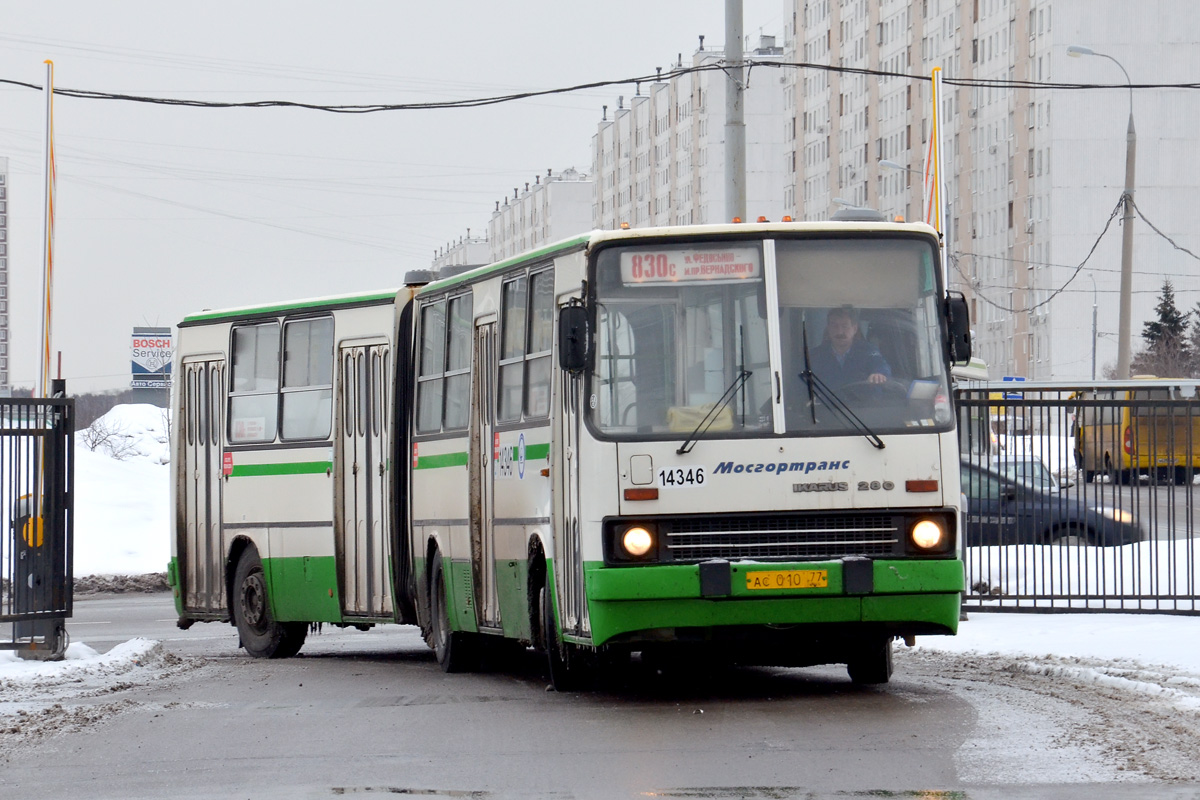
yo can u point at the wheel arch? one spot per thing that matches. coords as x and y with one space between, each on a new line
536 579
239 545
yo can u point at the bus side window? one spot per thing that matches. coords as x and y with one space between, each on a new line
458 364
253 394
513 306
308 378
430 385
541 334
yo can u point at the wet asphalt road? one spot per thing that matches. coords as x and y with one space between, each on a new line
365 714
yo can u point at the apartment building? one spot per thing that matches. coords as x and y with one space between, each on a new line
553 206
1032 174
660 158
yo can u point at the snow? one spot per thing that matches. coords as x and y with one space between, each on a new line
122 497
1045 683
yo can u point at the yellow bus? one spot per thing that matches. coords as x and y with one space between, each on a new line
1131 432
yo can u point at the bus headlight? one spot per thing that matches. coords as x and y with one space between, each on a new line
637 541
928 534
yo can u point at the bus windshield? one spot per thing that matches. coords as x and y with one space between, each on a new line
683 336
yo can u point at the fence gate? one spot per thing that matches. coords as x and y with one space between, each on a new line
36 506
1081 497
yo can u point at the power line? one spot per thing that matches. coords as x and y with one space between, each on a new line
1079 268
1160 233
750 64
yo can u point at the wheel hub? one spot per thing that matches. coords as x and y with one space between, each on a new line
254 601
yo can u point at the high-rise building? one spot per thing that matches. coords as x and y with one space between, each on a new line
466 251
1032 172
553 207
661 159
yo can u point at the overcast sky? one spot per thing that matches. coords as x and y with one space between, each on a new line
167 210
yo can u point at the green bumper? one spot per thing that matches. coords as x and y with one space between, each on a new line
906 596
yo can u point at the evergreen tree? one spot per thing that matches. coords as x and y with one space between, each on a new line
1171 325
1168 352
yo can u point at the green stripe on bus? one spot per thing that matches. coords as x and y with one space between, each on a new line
533 452
533 255
442 460
303 305
291 468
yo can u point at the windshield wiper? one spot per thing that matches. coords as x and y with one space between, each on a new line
711 416
816 387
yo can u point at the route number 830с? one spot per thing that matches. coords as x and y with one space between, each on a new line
679 476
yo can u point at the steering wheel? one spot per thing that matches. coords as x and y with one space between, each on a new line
888 393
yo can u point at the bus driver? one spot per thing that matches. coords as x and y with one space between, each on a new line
845 357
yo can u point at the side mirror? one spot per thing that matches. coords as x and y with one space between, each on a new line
574 338
958 318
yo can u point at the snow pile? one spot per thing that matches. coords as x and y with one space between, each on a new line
135 432
122 493
1162 569
41 699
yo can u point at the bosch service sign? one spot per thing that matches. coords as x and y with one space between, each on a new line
151 358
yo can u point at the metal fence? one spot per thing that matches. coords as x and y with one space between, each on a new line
36 511
1081 497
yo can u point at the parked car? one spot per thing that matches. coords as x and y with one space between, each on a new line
1031 471
1002 510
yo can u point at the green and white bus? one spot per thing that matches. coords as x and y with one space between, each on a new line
628 442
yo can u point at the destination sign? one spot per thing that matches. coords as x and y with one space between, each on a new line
690 265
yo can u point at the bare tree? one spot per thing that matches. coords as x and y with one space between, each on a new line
111 439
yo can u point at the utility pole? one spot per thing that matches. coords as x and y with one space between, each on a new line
1126 314
735 121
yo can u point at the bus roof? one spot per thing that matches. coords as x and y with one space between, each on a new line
632 235
330 301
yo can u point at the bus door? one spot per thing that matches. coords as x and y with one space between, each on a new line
568 559
483 464
204 550
362 535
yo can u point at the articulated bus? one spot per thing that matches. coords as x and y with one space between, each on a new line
635 441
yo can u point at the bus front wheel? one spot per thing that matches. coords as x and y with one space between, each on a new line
261 636
870 662
565 676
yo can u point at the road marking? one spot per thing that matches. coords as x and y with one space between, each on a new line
102 622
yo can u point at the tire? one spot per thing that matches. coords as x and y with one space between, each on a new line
1183 476
456 651
1070 536
564 675
870 662
261 636
1089 476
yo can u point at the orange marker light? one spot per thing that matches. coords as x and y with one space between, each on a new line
737 220
763 219
921 486
786 218
642 494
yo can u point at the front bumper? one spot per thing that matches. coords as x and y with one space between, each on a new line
657 603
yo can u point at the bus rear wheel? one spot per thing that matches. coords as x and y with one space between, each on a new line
456 651
261 636
870 662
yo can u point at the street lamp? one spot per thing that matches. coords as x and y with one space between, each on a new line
1093 277
1125 321
888 164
